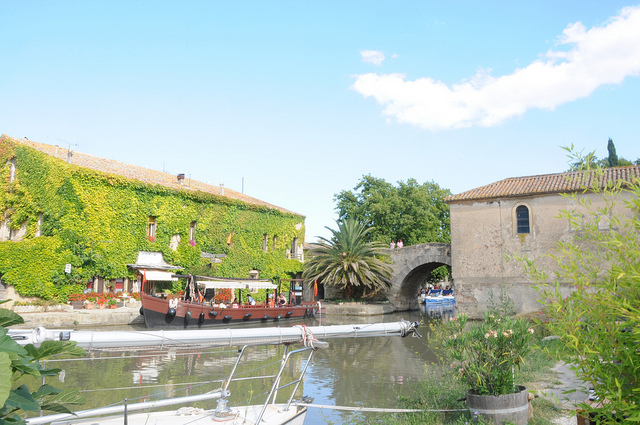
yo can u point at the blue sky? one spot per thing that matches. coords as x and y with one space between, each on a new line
301 99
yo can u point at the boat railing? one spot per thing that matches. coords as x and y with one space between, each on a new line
221 395
276 386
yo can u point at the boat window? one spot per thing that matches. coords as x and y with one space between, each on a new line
522 219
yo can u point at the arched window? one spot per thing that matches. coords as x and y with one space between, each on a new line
522 219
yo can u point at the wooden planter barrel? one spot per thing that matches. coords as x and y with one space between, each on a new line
500 408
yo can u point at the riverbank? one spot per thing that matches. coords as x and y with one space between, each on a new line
82 317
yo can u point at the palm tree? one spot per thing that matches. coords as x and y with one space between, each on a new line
350 261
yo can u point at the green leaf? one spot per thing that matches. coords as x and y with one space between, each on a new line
22 365
56 407
46 390
68 396
9 318
8 345
5 377
21 398
52 348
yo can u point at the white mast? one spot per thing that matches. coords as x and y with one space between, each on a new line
212 337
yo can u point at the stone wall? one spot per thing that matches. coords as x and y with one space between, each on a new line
483 237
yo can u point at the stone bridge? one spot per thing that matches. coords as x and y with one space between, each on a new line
411 266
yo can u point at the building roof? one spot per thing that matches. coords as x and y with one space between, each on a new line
142 174
571 181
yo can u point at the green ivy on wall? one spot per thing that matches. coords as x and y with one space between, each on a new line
97 222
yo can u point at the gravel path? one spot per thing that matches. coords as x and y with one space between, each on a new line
567 402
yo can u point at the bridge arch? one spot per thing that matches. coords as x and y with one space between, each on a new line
411 265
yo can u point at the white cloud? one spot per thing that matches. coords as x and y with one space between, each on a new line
599 56
372 56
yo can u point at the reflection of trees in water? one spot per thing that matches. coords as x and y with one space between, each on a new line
108 378
371 371
363 371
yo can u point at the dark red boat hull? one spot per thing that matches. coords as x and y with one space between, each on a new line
158 314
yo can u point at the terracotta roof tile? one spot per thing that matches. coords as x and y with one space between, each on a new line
142 174
548 183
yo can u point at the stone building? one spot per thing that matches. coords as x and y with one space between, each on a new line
69 219
517 216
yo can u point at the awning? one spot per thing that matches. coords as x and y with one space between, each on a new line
158 276
237 284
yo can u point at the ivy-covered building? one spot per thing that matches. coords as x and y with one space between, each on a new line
61 208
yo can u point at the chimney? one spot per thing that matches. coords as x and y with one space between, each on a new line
221 189
180 178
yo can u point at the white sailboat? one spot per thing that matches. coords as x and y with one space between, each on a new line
272 412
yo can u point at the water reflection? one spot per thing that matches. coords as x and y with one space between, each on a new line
371 372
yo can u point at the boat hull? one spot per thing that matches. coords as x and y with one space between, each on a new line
158 314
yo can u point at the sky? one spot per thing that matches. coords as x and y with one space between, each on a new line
292 102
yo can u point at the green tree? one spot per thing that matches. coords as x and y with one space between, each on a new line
580 161
350 261
17 361
612 160
413 212
599 322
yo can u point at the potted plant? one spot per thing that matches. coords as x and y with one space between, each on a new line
77 300
487 354
102 302
112 303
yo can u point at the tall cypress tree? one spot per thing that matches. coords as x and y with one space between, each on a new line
613 156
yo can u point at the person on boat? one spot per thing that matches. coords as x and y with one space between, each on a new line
235 303
282 300
250 300
272 301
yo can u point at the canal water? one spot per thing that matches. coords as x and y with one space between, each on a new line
367 372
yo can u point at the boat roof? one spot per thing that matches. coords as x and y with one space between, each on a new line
237 284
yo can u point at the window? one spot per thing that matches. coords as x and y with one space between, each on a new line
275 240
192 233
294 249
265 242
12 170
151 230
522 220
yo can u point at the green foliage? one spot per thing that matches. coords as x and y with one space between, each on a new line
415 213
589 161
17 361
439 274
349 261
97 222
487 352
612 159
598 322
